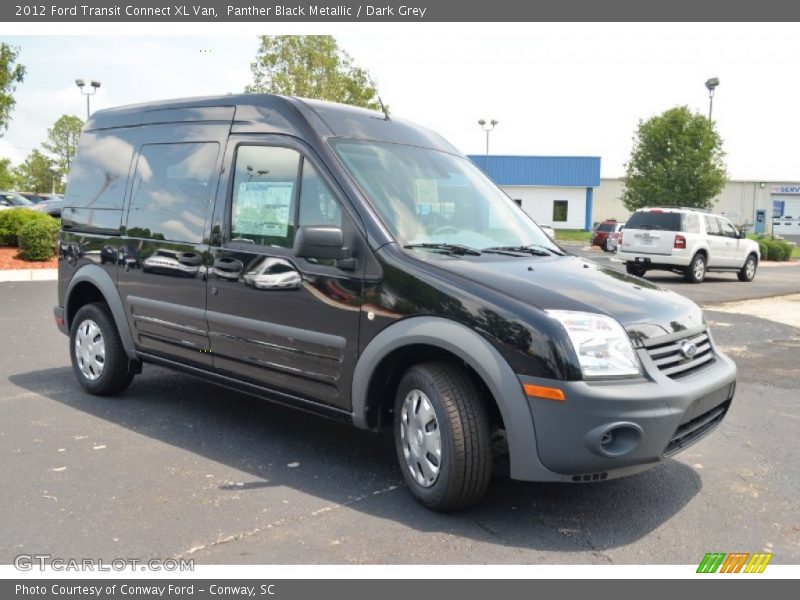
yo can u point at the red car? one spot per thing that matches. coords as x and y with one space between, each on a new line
602 231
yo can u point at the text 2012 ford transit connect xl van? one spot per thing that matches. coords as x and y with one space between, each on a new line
358 266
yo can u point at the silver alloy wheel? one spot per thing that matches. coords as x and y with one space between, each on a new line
90 349
420 438
750 267
699 268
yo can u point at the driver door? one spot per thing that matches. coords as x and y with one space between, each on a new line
282 322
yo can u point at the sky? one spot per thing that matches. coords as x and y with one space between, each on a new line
556 89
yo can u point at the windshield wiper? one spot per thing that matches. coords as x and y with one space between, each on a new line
532 249
451 248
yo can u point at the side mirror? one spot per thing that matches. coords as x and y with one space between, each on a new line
320 242
742 234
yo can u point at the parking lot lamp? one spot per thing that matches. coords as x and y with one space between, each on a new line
87 89
487 126
711 85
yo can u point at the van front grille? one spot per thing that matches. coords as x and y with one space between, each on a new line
682 357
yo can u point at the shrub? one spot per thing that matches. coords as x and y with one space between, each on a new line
778 250
12 220
763 249
786 248
37 239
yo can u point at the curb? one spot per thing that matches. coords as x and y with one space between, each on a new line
28 275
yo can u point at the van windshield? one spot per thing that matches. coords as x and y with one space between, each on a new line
429 197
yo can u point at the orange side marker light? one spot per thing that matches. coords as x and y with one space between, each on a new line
539 391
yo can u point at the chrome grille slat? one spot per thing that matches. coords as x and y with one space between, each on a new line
660 350
677 357
669 359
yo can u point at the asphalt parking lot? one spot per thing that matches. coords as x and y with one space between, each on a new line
176 467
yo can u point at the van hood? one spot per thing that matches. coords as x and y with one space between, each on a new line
572 283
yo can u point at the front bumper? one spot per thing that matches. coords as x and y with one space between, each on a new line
613 428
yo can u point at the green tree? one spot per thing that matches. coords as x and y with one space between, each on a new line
11 73
7 181
62 141
311 66
677 159
36 174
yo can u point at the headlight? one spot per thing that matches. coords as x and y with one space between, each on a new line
602 345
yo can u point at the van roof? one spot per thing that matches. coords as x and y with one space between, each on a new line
267 113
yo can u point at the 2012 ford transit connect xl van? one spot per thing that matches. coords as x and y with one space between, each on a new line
358 266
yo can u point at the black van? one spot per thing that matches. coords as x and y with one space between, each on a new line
358 266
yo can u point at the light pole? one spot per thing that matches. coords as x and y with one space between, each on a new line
92 85
487 127
53 173
711 85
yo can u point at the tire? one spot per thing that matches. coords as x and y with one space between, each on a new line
696 271
748 270
606 247
446 401
93 334
634 269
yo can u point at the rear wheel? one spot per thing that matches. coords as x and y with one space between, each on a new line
442 436
98 359
635 269
696 271
748 270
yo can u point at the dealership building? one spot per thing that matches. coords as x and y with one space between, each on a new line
568 193
554 190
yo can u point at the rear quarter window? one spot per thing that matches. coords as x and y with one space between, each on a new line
99 174
691 223
660 221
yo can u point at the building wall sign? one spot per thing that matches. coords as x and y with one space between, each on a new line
785 189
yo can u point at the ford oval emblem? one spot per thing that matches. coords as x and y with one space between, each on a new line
688 349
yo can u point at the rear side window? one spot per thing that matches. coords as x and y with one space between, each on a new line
171 190
691 223
99 174
712 225
650 219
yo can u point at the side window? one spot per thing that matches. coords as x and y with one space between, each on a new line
317 204
712 226
264 196
728 230
691 223
99 174
171 189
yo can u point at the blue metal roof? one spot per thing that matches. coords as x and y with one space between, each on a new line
577 171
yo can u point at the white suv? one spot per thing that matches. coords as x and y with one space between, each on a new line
689 241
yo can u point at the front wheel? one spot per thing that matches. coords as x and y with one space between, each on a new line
696 271
442 436
748 270
98 359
